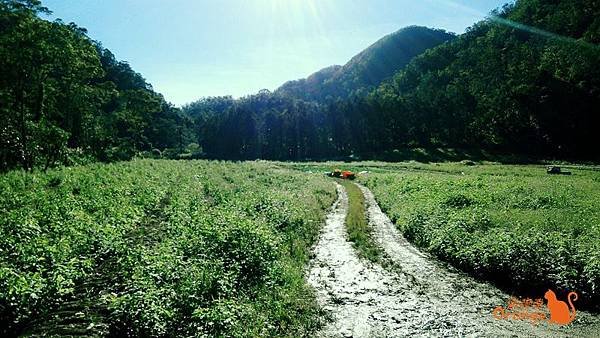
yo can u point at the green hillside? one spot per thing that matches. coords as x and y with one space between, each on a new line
524 81
370 67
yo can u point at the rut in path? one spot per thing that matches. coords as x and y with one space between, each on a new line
427 298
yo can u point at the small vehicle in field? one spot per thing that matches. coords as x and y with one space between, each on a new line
346 174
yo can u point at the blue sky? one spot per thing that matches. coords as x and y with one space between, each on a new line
188 49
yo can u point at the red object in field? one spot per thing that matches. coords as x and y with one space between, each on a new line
348 175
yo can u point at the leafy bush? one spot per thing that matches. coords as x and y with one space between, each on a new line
458 201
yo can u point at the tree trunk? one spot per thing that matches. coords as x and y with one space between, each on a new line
40 103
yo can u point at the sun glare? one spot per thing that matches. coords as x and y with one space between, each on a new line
294 8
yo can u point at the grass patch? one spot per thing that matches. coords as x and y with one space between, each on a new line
357 225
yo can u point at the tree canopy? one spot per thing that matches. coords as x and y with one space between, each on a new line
525 80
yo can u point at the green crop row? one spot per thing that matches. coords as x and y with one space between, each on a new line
358 227
515 225
160 248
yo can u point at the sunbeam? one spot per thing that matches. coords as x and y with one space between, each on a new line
540 32
513 24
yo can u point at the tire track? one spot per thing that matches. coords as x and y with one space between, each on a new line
360 296
425 299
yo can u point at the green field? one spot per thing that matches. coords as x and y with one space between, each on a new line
180 248
515 225
154 248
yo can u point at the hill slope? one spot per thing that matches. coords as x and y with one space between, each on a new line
525 80
369 68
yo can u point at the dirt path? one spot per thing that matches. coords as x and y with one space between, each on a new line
426 299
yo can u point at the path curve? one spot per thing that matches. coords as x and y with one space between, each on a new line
426 299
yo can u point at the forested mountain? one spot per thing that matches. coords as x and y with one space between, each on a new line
312 88
66 99
308 118
525 80
369 68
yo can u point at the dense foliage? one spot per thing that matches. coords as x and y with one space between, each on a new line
514 225
266 126
159 248
523 81
66 99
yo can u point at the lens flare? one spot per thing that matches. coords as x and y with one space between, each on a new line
540 32
516 25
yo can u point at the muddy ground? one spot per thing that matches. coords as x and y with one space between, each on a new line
419 297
